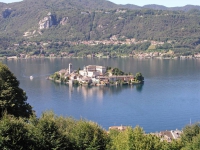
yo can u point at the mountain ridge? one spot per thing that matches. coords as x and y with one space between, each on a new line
23 16
110 5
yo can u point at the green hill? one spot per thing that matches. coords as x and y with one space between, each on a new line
86 20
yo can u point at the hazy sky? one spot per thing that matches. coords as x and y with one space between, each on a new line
9 1
168 3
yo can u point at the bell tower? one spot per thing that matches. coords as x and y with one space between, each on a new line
70 68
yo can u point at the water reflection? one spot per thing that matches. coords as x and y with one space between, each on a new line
139 87
100 91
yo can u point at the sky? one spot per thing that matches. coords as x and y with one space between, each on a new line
9 1
168 3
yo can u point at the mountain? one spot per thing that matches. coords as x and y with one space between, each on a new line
155 7
184 8
130 6
97 20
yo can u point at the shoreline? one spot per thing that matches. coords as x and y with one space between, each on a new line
93 85
136 57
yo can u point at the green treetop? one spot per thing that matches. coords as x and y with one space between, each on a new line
139 77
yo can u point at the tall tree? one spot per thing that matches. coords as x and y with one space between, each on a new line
189 132
48 134
88 136
13 99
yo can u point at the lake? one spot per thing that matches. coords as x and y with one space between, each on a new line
169 98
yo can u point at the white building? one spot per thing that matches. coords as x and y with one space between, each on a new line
92 71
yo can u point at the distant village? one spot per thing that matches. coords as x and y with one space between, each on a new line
43 47
95 75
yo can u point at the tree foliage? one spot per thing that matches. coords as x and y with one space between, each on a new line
14 134
88 135
13 99
47 134
134 138
54 132
189 132
117 71
138 77
51 132
191 137
194 144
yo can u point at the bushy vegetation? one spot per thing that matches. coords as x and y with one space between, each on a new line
117 71
138 78
59 77
53 132
50 132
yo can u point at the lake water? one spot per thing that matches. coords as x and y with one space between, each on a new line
169 98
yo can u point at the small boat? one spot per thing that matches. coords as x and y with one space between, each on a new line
31 77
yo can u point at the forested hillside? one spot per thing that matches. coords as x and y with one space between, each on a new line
68 21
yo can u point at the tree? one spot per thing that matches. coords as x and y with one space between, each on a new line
48 134
139 77
117 71
88 135
194 144
134 139
189 132
144 46
12 97
14 134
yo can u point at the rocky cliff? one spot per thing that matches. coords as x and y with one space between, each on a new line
46 22
6 12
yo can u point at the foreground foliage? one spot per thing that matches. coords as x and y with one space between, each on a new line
13 99
53 132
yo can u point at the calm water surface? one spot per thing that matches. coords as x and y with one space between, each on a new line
169 98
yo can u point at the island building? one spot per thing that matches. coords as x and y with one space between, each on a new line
92 74
92 71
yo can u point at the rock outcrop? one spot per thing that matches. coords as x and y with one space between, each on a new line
46 22
64 21
30 34
6 13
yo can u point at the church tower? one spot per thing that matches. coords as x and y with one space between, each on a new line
70 68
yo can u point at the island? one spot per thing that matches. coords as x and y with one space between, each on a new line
94 75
